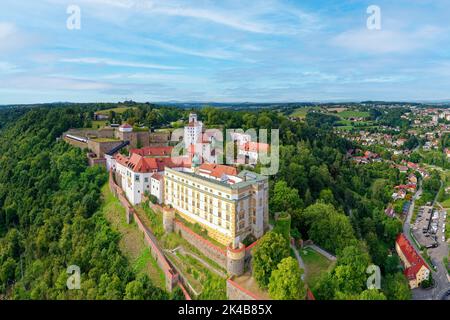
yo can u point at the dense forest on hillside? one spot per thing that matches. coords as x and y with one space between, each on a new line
49 200
48 219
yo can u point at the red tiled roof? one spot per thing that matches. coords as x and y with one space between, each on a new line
412 165
138 163
255 146
121 159
411 255
368 154
406 186
174 162
217 170
153 151
157 176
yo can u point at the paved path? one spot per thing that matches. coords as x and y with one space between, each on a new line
444 294
301 264
407 224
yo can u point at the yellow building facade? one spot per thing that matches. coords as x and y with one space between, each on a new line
228 211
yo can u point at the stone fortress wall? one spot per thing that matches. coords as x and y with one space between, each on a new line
171 276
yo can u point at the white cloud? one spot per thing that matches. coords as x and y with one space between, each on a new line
6 30
55 83
215 54
6 67
214 16
118 63
385 40
10 37
157 77
254 19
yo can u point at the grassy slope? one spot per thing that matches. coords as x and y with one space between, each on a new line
97 124
131 243
316 265
301 112
353 114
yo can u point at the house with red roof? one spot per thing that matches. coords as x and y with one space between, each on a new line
402 169
371 155
250 151
413 165
447 152
125 128
408 187
412 178
140 174
400 194
390 211
416 270
217 172
143 171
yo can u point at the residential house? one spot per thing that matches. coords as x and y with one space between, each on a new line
416 270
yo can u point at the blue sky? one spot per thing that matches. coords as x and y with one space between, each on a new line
224 51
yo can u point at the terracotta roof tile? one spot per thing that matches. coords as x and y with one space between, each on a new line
153 151
414 259
255 146
217 170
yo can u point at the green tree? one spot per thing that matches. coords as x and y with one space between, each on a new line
392 227
134 291
264 122
392 264
348 278
286 281
327 227
214 288
326 196
8 271
284 198
372 294
270 250
396 287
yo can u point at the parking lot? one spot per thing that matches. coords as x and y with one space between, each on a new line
429 228
429 231
422 227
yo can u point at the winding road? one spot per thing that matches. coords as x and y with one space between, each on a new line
407 224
